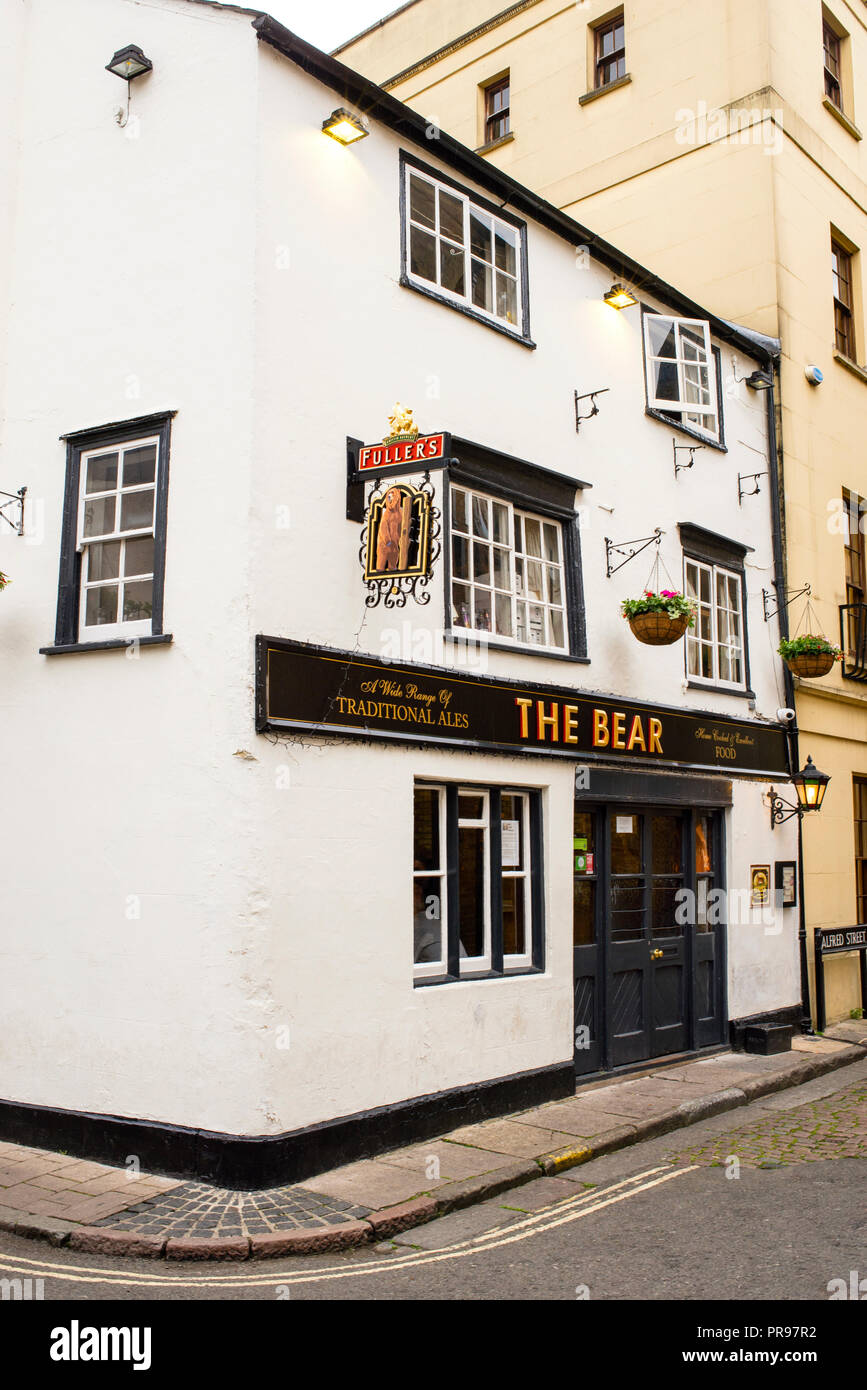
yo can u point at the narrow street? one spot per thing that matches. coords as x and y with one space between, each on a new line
762 1206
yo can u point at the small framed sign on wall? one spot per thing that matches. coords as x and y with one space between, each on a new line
786 882
760 885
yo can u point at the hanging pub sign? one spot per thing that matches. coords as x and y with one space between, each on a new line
322 691
399 544
404 450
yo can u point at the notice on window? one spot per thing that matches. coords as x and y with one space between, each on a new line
624 825
511 844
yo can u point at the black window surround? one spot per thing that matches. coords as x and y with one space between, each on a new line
673 418
453 973
68 599
526 486
710 548
518 333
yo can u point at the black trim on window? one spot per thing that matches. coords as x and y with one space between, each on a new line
528 487
674 417
68 593
710 548
498 970
518 334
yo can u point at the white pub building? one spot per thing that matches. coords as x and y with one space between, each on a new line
342 805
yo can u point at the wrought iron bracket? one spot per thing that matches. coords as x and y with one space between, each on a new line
594 408
768 597
15 499
782 810
629 549
691 449
747 478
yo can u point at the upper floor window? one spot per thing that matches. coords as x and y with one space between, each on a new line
682 372
841 274
507 576
831 46
610 51
497 112
715 645
464 251
113 546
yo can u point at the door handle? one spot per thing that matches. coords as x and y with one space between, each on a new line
655 955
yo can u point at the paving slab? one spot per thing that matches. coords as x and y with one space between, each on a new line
443 1159
568 1117
520 1140
372 1183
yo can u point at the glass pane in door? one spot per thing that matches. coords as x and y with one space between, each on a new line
667 840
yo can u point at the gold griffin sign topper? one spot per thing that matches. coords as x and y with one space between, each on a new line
401 425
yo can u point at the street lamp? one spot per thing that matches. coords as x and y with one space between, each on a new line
810 785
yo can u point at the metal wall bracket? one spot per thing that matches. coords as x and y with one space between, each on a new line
594 408
15 500
749 478
691 449
768 597
629 549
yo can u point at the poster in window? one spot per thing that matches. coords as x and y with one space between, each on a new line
511 844
760 885
786 883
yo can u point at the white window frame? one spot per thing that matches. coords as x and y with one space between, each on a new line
693 637
470 965
514 555
705 418
465 300
143 627
424 969
524 959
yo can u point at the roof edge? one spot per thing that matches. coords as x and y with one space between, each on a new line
359 91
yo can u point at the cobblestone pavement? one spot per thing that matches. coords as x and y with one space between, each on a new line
822 1129
200 1212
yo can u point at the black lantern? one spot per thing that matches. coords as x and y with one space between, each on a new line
129 62
760 381
809 786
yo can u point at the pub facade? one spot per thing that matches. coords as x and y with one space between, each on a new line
366 801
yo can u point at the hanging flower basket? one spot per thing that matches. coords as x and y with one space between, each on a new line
809 656
657 620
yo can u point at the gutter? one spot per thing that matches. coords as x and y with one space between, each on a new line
372 101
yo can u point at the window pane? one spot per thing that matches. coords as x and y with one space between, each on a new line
421 201
501 524
426 842
481 563
665 383
507 298
667 847
138 601
139 556
461 605
99 517
481 285
101 473
427 919
534 580
502 577
470 806
460 557
555 592
101 606
521 622
451 267
459 510
136 510
557 634
480 235
451 217
481 525
661 337
482 610
471 890
552 548
532 537
583 912
514 925
103 561
703 845
504 614
505 249
139 466
625 845
423 255
536 620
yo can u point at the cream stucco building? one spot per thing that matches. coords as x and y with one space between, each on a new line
721 145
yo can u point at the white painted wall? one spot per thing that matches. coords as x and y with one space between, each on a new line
231 263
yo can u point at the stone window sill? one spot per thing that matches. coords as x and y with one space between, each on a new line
853 367
495 144
841 116
116 644
601 91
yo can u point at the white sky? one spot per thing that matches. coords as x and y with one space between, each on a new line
326 23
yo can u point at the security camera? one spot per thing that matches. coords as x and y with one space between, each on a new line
785 715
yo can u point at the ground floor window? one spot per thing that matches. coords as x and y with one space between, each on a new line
477 881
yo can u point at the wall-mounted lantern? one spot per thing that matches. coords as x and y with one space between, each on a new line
344 127
619 297
810 785
129 63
